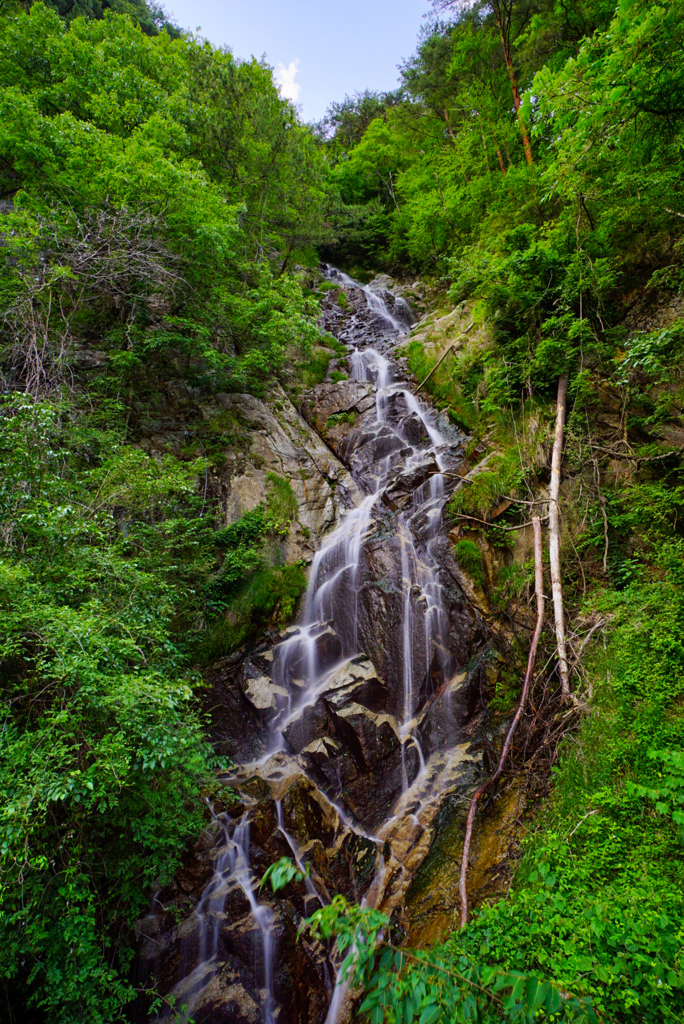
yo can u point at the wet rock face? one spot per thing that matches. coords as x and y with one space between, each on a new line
329 400
262 437
287 814
237 725
348 743
381 599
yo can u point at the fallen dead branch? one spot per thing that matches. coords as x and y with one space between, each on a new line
506 529
444 355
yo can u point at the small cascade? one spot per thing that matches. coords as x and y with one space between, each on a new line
232 868
238 862
384 317
308 884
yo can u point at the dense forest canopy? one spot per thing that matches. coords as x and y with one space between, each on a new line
162 213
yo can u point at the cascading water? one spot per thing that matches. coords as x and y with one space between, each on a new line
308 884
402 462
423 611
332 594
376 304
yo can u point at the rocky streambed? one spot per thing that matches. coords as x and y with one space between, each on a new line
360 732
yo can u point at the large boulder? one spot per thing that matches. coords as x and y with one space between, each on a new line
332 399
277 440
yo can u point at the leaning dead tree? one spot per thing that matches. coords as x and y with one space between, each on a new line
472 810
554 535
116 261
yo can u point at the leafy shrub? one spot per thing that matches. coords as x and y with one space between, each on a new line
316 368
104 756
431 986
669 795
502 476
599 900
107 564
339 418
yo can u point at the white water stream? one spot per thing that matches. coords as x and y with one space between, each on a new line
231 868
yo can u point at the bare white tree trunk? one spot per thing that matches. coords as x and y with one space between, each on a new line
554 534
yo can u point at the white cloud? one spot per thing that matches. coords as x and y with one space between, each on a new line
285 77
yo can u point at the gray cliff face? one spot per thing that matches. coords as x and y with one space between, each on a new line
357 732
280 441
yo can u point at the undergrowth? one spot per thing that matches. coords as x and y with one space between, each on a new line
599 899
114 583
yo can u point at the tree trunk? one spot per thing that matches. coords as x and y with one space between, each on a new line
484 146
448 125
287 257
554 534
539 593
514 85
502 165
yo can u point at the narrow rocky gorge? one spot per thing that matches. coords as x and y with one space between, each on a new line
359 733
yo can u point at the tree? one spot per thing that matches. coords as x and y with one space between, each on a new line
346 122
511 16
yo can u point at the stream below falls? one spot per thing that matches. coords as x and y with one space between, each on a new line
371 731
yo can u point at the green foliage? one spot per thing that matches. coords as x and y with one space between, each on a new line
501 477
648 356
339 418
403 986
553 254
669 795
280 874
155 193
247 597
547 247
251 585
103 754
315 369
110 569
146 238
151 17
282 504
156 196
600 899
346 122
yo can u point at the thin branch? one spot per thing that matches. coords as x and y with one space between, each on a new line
472 810
444 355
506 529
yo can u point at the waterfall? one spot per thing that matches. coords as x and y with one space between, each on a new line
401 465
332 593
